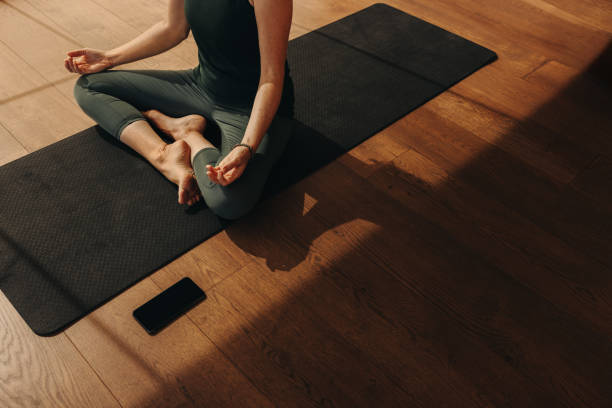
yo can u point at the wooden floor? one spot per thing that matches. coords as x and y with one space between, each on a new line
461 257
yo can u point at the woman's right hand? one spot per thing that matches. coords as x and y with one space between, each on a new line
87 61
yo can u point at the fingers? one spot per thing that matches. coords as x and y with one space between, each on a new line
226 166
68 64
224 179
211 173
71 65
217 175
76 53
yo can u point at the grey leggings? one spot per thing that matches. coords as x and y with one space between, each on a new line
116 98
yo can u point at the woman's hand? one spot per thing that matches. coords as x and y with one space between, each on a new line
230 168
87 61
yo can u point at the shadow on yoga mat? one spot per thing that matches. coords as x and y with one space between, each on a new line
86 218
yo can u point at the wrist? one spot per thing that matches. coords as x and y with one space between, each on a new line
110 58
245 149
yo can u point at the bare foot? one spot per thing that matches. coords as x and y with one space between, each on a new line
177 128
174 163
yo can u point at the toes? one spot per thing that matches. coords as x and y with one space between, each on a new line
185 194
191 191
193 199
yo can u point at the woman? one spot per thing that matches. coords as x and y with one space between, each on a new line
241 83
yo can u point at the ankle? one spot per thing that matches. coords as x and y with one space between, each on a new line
196 123
157 156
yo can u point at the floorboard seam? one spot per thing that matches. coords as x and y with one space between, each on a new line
219 348
92 369
45 25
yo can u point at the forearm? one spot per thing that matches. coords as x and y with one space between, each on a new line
155 40
264 109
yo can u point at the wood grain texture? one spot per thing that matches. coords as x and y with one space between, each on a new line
41 118
543 262
10 148
502 312
376 151
94 26
459 257
595 13
534 144
177 367
294 341
31 104
554 207
41 47
595 180
142 14
514 56
207 264
138 14
45 372
17 77
540 32
393 328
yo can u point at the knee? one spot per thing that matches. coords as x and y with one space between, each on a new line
230 208
81 89
89 84
231 211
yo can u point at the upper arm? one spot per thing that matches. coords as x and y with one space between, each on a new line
273 25
176 20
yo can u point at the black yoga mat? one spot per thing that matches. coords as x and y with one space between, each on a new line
86 218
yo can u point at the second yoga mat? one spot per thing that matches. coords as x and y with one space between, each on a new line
86 218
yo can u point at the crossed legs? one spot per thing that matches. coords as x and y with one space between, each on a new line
124 103
172 160
115 100
188 128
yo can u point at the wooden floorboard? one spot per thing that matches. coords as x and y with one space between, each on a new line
517 246
490 302
181 367
10 148
38 371
460 257
594 13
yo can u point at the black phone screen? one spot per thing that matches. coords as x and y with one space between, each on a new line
169 305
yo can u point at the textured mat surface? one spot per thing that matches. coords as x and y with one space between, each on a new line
86 218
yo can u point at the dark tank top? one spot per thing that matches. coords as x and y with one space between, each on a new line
225 32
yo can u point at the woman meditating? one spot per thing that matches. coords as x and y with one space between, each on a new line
241 83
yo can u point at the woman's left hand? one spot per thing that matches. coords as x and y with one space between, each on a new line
231 167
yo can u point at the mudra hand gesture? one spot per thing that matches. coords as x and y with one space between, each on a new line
87 61
231 167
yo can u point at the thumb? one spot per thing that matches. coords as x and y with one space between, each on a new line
76 53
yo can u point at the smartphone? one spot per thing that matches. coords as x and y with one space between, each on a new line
169 305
